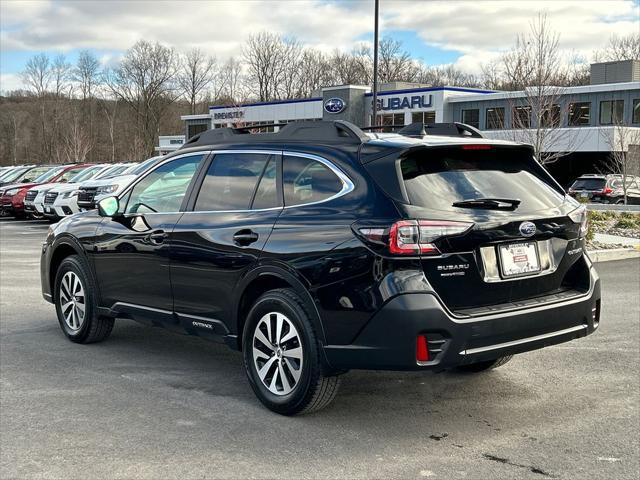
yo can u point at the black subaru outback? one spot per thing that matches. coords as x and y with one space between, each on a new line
321 248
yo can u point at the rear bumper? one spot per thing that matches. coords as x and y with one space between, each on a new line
388 341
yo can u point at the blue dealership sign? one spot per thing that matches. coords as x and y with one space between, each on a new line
402 102
335 105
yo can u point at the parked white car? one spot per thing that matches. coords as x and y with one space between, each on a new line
93 191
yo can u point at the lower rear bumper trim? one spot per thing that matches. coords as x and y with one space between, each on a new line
488 348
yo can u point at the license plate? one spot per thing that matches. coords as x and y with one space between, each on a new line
584 195
518 259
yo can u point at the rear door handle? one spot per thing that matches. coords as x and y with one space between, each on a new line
245 237
157 237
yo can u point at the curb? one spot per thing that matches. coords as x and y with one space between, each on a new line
610 254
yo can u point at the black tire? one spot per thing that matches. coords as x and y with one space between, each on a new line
315 387
484 366
91 327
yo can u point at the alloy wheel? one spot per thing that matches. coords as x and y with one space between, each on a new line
277 353
72 300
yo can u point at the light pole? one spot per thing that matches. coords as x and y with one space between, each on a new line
375 65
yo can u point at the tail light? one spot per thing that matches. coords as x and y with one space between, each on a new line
579 215
414 237
607 190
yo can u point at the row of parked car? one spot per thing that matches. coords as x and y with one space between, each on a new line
601 188
56 191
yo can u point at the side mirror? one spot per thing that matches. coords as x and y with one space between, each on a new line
108 207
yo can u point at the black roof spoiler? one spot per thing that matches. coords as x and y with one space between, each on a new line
337 131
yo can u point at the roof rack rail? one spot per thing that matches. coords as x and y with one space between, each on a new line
336 131
454 129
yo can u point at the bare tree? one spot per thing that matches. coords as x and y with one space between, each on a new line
195 76
110 110
534 65
289 72
314 72
86 73
77 141
145 81
624 158
262 55
620 48
229 81
394 63
37 74
60 75
354 68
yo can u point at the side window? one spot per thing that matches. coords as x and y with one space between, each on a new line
267 192
164 188
306 181
231 181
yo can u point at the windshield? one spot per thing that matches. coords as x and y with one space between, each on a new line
439 178
11 176
45 177
33 173
589 184
117 170
146 165
85 174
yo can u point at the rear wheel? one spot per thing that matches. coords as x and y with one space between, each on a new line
282 356
76 303
484 366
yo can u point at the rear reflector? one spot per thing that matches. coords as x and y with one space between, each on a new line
422 349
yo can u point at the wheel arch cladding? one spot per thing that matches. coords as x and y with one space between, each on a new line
264 282
61 251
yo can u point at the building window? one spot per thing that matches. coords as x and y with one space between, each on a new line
636 111
521 117
266 129
579 113
611 112
471 117
495 118
195 129
423 117
391 121
550 116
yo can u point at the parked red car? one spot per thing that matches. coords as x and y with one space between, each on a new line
12 196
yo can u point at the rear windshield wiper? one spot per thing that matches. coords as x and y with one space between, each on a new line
489 203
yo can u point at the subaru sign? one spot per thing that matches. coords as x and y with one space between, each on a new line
402 102
334 105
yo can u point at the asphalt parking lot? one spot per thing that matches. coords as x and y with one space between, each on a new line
150 404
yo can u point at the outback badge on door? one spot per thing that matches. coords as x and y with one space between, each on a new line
527 229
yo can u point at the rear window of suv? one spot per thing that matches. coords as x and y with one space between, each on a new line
589 184
437 178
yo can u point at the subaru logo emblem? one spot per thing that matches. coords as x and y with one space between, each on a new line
334 105
527 229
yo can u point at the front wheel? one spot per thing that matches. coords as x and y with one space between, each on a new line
282 356
75 302
484 366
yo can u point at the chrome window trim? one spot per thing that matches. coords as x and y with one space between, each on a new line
347 184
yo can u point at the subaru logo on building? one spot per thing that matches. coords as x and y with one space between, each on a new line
334 105
527 229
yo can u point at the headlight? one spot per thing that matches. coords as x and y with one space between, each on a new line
12 191
579 215
106 189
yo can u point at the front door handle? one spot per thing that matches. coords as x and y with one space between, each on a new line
245 237
157 237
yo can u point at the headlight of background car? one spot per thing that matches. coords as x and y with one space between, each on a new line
12 191
579 215
106 189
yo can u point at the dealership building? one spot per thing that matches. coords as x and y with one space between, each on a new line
583 119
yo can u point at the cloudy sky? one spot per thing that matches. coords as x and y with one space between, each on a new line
465 33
